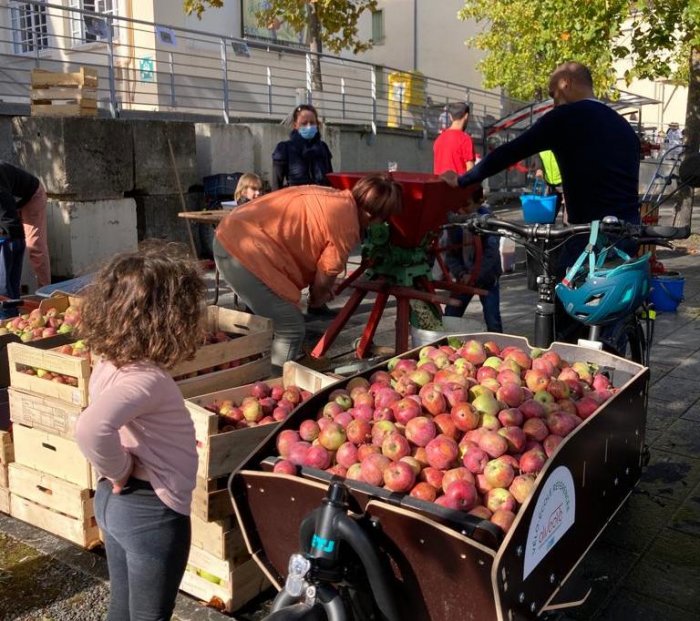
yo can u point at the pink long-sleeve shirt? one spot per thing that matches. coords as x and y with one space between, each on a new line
137 424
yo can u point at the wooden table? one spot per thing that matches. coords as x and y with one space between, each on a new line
203 217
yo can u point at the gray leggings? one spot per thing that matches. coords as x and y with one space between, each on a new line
288 319
147 546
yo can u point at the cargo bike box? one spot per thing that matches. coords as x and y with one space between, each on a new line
436 553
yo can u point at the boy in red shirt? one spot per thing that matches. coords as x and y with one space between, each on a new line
453 149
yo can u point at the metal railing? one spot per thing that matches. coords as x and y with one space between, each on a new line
194 72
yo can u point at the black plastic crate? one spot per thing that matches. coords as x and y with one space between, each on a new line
221 186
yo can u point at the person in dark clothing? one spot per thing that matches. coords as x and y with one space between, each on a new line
29 197
304 159
598 153
11 247
490 271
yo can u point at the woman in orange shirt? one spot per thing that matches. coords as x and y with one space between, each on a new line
272 248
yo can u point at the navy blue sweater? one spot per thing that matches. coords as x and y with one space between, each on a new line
598 154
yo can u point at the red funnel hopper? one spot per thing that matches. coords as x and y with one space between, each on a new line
427 199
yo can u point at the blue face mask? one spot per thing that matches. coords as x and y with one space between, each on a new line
307 132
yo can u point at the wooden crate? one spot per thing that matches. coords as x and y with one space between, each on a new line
64 94
59 302
23 355
84 533
32 410
7 455
51 492
222 539
239 583
47 452
4 500
211 500
221 453
253 337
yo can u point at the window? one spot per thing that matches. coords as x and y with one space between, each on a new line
29 27
378 27
87 28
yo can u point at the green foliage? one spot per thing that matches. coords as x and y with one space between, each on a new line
337 19
526 39
199 6
662 35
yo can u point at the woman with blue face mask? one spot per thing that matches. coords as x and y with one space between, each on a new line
304 159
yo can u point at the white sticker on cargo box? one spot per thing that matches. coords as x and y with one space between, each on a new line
555 513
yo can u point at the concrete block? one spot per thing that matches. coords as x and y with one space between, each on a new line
83 234
157 216
360 151
223 148
81 159
153 166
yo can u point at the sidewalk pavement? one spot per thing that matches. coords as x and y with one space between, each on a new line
643 567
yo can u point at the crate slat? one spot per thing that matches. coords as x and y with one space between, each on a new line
84 533
43 413
47 452
44 79
51 492
218 380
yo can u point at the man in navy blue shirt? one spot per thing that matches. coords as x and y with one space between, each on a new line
598 154
597 150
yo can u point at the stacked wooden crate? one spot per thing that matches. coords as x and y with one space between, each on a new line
64 94
220 570
50 482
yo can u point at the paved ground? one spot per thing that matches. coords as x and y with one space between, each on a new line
645 565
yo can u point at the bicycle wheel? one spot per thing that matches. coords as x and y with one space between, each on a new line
627 339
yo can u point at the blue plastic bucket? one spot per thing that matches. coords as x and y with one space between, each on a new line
539 209
667 291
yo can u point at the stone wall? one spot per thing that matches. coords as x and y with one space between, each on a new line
113 183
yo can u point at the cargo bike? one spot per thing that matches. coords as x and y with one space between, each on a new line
341 549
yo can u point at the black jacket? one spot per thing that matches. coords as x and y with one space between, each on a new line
17 187
301 162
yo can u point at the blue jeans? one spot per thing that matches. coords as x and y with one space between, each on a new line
147 546
11 256
490 305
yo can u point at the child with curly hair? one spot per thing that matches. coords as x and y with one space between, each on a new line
141 316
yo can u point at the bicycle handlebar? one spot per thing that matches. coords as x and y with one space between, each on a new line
488 224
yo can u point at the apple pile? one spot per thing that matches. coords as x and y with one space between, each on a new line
467 427
35 325
78 349
264 405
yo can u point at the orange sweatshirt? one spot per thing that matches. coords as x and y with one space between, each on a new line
284 237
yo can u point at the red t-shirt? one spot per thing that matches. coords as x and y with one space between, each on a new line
451 151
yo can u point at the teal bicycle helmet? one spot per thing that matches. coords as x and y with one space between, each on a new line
601 295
